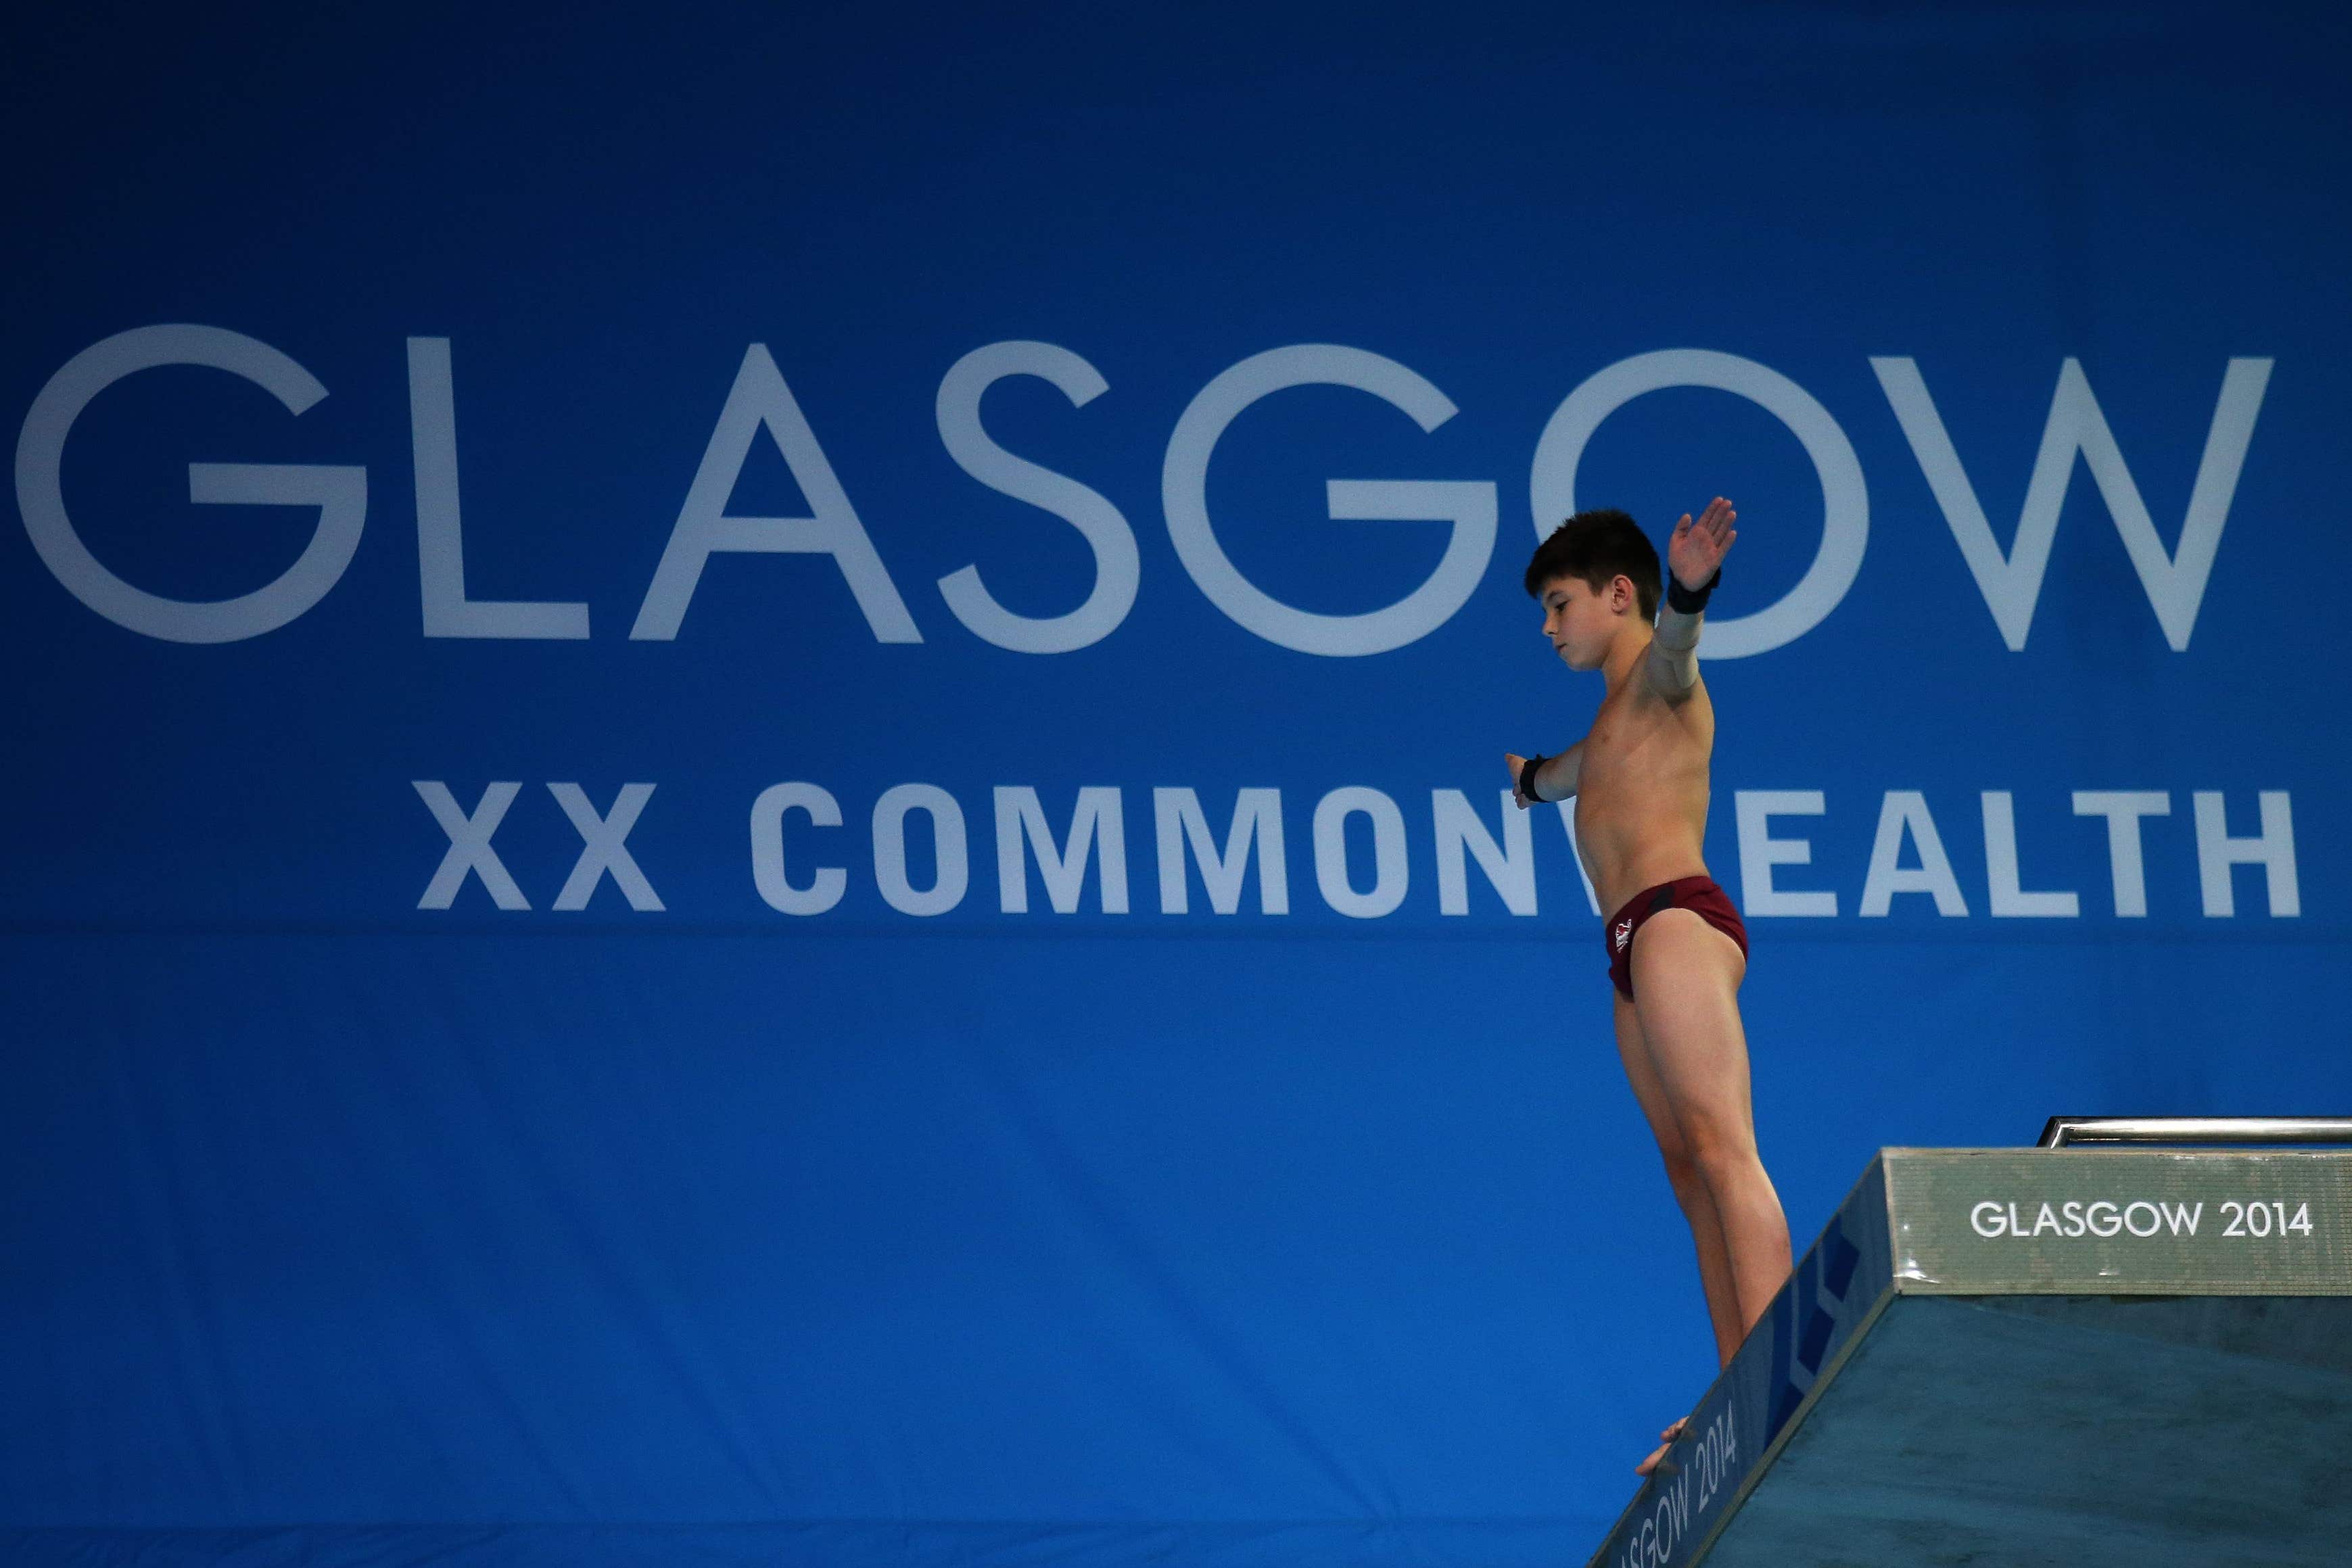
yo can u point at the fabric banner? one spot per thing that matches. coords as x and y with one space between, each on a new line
757 753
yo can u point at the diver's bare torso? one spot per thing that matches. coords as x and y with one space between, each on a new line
1641 785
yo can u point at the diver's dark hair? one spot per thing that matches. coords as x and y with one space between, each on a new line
1596 548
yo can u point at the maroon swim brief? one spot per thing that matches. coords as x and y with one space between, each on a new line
1697 893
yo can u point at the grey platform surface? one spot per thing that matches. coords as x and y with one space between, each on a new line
1994 1357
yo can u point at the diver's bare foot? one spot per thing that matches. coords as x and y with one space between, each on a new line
1667 1439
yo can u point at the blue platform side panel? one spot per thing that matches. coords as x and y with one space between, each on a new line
1838 1288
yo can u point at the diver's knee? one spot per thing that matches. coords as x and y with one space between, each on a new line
1719 1152
1683 1173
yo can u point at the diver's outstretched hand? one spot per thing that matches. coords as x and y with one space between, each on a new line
1695 551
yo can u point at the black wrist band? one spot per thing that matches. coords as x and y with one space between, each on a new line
1527 776
1687 601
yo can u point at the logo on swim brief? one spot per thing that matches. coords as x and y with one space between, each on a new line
1624 934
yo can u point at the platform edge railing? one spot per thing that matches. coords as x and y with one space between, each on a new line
2070 1131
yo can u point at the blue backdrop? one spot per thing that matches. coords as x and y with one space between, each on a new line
643 643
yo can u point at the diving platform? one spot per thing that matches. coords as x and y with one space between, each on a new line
2090 1356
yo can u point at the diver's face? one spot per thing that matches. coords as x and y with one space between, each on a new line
1580 621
